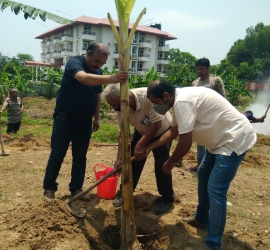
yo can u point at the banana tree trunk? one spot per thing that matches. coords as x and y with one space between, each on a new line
128 228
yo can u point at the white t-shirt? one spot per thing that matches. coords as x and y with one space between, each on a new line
214 122
144 115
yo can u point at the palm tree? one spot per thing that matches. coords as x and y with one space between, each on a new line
128 227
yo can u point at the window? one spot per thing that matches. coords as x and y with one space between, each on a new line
86 45
142 37
160 56
140 66
116 64
133 64
140 52
134 49
161 42
159 68
86 29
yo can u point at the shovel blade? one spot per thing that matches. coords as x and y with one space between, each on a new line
73 209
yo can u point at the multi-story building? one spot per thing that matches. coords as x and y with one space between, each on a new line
148 46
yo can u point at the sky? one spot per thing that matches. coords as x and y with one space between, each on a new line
204 28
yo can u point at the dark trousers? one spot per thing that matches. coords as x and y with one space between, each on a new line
161 155
66 130
13 127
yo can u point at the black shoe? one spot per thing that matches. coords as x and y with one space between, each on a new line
49 194
162 206
85 197
117 202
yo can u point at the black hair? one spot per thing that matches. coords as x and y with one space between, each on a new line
157 89
203 62
95 47
249 112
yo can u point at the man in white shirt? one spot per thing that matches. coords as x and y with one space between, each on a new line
204 116
149 126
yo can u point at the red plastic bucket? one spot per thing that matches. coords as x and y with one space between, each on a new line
106 189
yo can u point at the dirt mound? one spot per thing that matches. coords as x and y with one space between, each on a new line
45 225
27 142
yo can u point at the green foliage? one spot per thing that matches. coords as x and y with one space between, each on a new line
182 77
5 85
24 57
235 89
108 132
136 81
20 82
254 49
181 70
53 80
32 12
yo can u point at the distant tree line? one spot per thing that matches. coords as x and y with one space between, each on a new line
247 60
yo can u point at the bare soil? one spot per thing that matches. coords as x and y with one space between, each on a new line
29 222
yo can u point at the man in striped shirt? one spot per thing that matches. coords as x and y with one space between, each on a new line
13 105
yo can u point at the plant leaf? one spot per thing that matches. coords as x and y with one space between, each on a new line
32 12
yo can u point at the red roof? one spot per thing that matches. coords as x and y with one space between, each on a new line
35 63
105 22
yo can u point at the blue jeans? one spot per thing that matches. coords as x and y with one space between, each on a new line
200 153
66 130
214 177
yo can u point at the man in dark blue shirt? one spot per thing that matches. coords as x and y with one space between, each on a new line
252 119
78 101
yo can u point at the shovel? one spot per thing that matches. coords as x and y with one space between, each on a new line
73 209
3 153
267 109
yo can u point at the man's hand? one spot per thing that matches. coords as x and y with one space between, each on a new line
117 163
139 153
168 166
95 125
121 76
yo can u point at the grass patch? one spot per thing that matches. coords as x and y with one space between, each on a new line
108 132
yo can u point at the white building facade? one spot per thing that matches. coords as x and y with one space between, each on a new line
148 47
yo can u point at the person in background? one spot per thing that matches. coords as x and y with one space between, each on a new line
149 126
77 103
14 106
252 119
210 81
204 116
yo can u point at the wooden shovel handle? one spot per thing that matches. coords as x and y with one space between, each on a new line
267 109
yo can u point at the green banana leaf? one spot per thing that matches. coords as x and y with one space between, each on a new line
32 12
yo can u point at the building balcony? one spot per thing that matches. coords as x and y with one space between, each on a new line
142 72
43 44
115 54
57 54
164 48
57 40
43 55
162 61
49 42
134 41
67 52
48 55
145 44
144 57
67 38
89 36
